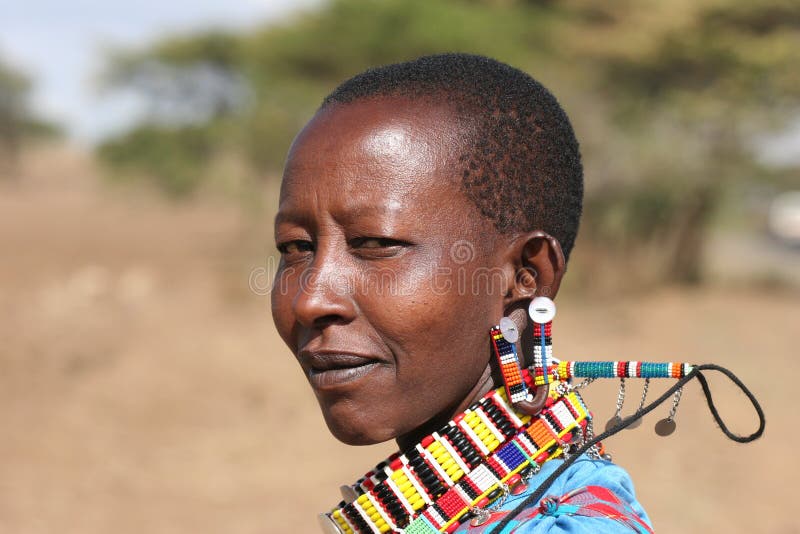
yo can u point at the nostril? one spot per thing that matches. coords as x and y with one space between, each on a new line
327 320
319 310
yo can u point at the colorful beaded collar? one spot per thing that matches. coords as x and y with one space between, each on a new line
452 475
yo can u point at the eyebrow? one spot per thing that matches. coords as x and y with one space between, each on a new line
288 216
364 210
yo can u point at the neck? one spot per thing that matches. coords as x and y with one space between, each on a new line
488 451
484 384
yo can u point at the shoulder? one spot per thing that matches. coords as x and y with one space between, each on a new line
591 496
586 471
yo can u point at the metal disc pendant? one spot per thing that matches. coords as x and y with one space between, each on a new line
636 424
328 525
613 423
665 427
481 517
509 330
348 494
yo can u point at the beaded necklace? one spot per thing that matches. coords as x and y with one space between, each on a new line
452 475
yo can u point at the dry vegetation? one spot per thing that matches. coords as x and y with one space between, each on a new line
143 388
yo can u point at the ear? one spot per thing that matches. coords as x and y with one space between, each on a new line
539 266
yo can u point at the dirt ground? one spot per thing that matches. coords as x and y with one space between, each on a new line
143 387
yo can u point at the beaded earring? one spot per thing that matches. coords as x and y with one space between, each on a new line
546 369
505 337
542 310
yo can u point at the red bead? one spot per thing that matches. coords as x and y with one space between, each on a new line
542 458
483 503
368 483
549 402
426 441
519 488
514 479
396 464
458 418
453 527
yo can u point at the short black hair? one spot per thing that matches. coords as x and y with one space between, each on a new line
523 169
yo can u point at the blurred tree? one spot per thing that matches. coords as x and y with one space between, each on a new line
690 99
17 122
13 90
665 96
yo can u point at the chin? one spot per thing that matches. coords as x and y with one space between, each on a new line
354 426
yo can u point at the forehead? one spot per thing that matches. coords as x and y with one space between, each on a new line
385 144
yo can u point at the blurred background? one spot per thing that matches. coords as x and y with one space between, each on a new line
142 385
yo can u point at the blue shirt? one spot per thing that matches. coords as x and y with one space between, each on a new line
577 502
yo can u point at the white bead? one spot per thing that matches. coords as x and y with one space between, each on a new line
542 310
509 330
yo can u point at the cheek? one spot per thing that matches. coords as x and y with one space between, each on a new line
437 324
281 303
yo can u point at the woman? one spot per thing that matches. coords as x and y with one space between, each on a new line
422 203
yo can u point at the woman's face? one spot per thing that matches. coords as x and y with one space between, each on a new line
389 277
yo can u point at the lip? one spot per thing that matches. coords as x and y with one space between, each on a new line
334 369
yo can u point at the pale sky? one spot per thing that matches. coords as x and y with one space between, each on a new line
60 45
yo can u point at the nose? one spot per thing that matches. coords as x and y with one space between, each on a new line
324 295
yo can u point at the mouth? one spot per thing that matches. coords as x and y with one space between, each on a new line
328 370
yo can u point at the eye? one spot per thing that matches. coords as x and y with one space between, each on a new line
297 246
378 247
375 242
